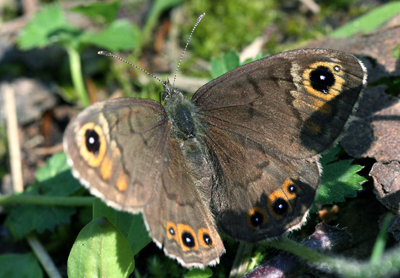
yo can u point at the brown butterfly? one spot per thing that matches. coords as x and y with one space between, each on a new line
241 155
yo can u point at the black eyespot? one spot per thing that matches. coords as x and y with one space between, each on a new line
256 219
336 68
280 206
207 239
92 141
188 239
292 188
171 231
322 79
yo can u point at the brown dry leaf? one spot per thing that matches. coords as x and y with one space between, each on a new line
387 190
375 129
387 183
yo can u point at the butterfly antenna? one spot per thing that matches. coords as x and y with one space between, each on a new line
184 50
105 53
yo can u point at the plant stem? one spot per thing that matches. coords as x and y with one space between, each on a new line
46 200
43 256
388 265
76 75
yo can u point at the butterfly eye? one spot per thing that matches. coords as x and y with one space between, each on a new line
92 141
205 238
187 237
278 202
188 240
171 231
280 206
256 217
322 79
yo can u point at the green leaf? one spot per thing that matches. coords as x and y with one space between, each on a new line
46 27
100 250
24 219
199 273
56 178
20 265
396 52
130 225
369 21
224 64
120 35
339 179
102 11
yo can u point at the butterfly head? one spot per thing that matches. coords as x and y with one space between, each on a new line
171 94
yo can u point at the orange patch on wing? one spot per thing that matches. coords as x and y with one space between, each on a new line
313 128
322 106
122 182
106 168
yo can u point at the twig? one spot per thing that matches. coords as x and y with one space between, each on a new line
13 139
43 257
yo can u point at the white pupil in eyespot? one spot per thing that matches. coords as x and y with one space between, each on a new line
322 77
91 140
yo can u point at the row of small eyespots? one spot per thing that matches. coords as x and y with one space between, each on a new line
185 236
278 205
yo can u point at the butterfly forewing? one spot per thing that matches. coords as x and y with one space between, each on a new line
296 103
96 141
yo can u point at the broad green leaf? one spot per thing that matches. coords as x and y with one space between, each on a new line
396 52
199 273
369 21
100 250
24 219
46 27
20 265
120 35
130 225
231 60
224 64
53 179
56 178
106 11
339 179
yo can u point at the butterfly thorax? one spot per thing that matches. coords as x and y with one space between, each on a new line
187 128
181 112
